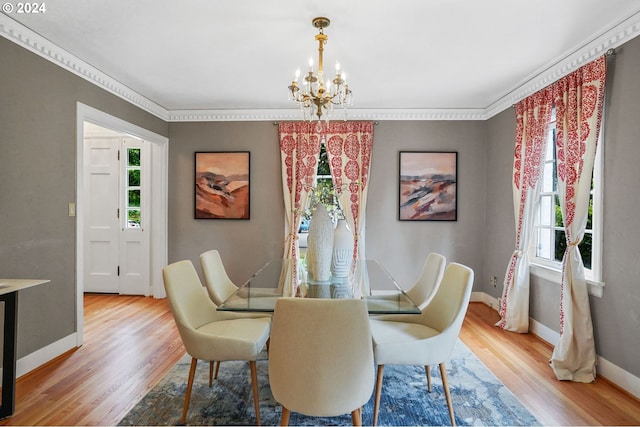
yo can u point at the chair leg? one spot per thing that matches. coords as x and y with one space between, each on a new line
284 421
187 397
211 363
356 417
215 377
427 368
376 406
254 385
445 385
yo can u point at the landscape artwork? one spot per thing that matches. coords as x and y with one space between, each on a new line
222 185
428 186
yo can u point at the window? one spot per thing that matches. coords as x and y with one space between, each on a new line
132 189
550 240
322 193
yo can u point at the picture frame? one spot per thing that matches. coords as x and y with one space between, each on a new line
428 186
222 185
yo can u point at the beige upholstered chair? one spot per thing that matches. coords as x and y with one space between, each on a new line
424 289
320 357
219 286
429 280
427 338
208 334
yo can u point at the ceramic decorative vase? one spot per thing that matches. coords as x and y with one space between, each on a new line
342 250
320 245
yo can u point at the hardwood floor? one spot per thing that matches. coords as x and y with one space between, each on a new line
131 342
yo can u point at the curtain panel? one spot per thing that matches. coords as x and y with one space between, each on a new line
532 124
299 154
579 99
349 146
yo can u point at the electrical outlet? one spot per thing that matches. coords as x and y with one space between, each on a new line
494 281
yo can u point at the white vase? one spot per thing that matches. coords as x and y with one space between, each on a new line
319 245
342 250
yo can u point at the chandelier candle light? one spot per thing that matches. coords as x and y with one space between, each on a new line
315 97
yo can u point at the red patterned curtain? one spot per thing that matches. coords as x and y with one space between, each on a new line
349 146
299 153
579 99
532 124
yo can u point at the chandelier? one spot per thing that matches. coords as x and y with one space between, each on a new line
315 96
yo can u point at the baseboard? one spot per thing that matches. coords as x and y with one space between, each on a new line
623 379
38 358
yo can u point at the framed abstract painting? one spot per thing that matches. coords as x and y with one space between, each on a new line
222 185
428 186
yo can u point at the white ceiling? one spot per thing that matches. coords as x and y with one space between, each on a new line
198 58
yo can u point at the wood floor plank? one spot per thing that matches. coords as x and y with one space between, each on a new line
130 343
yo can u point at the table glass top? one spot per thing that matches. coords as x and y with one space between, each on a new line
260 292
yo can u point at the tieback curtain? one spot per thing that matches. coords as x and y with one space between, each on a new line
578 99
532 124
299 155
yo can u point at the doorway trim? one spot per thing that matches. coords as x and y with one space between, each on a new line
159 147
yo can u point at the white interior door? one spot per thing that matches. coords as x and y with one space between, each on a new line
116 215
101 214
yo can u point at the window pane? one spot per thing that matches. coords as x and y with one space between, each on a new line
590 214
559 222
550 144
133 218
134 198
561 244
585 249
543 249
546 210
323 165
547 178
133 157
134 177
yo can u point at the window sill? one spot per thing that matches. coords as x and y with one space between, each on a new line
554 275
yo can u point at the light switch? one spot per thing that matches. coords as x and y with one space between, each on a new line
72 209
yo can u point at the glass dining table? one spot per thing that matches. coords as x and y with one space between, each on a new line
382 294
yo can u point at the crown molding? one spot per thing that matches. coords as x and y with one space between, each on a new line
611 39
295 114
37 44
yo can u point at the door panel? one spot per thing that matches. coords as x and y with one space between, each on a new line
101 215
134 240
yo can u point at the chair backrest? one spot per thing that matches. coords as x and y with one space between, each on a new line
321 355
188 300
218 284
429 280
448 307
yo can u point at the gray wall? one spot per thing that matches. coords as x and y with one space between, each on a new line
244 245
38 175
616 316
400 246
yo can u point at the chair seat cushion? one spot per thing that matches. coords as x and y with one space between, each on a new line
237 339
401 343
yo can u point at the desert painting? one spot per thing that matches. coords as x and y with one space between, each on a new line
428 186
222 185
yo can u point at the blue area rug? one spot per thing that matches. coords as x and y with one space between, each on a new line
479 398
